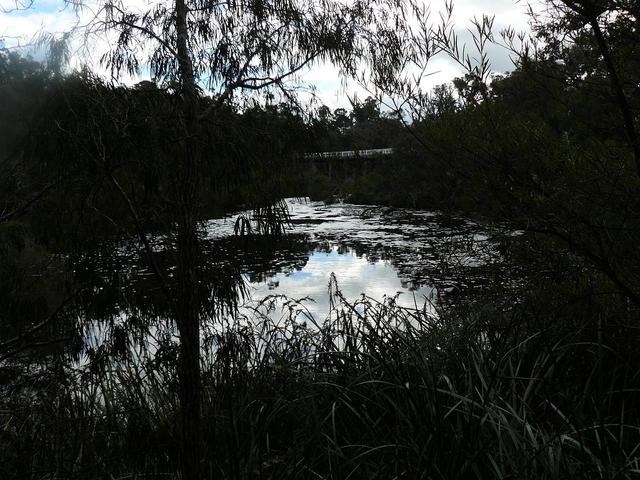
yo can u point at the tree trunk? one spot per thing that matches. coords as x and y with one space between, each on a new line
187 302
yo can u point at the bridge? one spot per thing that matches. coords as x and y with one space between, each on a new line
374 152
346 163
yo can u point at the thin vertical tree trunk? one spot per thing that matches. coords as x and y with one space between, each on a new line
621 98
187 298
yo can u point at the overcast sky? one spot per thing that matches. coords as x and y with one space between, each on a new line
20 27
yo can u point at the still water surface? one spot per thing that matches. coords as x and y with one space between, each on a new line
414 256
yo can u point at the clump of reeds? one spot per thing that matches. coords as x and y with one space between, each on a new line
373 391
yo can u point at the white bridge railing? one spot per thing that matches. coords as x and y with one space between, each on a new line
351 153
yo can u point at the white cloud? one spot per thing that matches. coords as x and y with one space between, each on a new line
21 27
441 69
355 275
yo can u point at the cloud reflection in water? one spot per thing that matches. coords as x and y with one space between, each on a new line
356 275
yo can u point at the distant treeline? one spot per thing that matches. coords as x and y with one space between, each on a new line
67 137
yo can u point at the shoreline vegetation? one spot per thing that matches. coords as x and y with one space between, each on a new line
104 187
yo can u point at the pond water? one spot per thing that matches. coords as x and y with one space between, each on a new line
411 256
415 259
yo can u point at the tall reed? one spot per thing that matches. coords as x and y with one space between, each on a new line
373 391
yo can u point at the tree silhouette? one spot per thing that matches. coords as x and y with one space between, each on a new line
226 47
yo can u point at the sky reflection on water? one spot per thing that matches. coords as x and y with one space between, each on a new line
378 251
356 275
